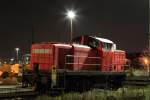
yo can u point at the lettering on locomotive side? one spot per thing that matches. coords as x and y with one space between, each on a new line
42 51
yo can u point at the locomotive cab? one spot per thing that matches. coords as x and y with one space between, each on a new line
112 60
105 50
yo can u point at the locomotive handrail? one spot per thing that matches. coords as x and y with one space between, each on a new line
71 63
81 56
82 64
78 62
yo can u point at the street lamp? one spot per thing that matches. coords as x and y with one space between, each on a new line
71 15
17 52
149 32
12 60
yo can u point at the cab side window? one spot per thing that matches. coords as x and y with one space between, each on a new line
93 44
107 46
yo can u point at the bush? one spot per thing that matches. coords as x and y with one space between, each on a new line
126 93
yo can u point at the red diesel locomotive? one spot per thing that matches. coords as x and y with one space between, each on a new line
87 62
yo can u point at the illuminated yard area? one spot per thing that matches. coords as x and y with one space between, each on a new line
126 93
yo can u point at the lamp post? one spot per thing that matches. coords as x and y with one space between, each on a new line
146 62
17 52
149 33
71 15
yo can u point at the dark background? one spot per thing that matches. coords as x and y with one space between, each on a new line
123 21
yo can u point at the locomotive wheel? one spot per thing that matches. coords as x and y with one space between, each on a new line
84 85
78 84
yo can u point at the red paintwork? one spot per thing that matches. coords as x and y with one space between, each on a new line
77 57
106 61
85 58
118 60
60 52
43 55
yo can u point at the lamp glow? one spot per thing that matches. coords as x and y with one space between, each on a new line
71 14
146 61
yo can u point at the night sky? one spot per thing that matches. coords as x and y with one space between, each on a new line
123 21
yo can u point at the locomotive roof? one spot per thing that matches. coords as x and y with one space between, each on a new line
60 44
103 39
119 51
79 45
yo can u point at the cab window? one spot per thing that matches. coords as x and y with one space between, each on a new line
107 46
93 44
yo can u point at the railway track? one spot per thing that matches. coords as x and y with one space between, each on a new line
9 92
16 92
19 92
137 81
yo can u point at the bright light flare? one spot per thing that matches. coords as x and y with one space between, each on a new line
12 59
17 49
146 62
71 14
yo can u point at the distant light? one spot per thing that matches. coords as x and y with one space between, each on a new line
12 59
71 14
146 61
17 49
